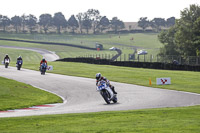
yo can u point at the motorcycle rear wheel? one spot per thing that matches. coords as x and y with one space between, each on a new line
115 100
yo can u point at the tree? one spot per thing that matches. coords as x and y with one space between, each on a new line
24 20
87 24
4 22
45 21
143 23
170 21
80 17
168 39
73 23
184 36
31 22
94 16
157 23
104 23
16 21
116 24
59 21
188 34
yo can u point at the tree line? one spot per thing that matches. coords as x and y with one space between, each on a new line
156 23
183 39
90 20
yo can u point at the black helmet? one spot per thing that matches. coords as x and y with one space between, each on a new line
98 76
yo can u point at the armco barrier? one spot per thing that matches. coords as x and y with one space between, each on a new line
151 65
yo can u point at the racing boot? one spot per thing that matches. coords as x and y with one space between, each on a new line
113 89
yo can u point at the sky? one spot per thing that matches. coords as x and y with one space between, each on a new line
125 10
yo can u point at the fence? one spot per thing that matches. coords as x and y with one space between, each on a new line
190 60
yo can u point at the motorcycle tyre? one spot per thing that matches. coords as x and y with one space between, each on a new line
18 68
105 96
115 100
6 65
42 72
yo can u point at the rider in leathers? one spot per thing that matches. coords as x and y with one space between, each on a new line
6 58
43 61
19 58
99 78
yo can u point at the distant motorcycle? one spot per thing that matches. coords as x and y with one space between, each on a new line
6 63
43 68
106 92
19 64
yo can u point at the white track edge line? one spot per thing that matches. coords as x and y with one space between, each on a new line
58 104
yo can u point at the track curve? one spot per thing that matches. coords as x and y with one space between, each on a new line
81 94
49 55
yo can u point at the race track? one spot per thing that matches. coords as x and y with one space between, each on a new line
81 96
49 55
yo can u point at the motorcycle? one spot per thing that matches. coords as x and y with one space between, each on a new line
43 68
19 64
7 61
106 92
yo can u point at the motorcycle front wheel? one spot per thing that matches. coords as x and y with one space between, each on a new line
6 65
105 96
42 72
18 68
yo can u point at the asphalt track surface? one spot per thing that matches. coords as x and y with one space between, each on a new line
80 95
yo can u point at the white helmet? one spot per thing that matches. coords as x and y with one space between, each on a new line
98 76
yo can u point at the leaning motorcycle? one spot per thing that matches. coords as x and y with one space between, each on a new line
6 63
19 64
106 92
43 68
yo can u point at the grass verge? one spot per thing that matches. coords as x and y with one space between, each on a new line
14 95
176 120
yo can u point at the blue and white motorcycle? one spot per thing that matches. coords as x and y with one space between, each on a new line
43 68
106 92
19 64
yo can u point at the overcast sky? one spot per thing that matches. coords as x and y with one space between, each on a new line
125 10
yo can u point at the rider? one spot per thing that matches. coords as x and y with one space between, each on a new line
43 61
99 78
18 59
6 58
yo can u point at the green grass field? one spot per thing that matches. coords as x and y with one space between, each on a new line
141 41
15 95
28 56
149 40
163 120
